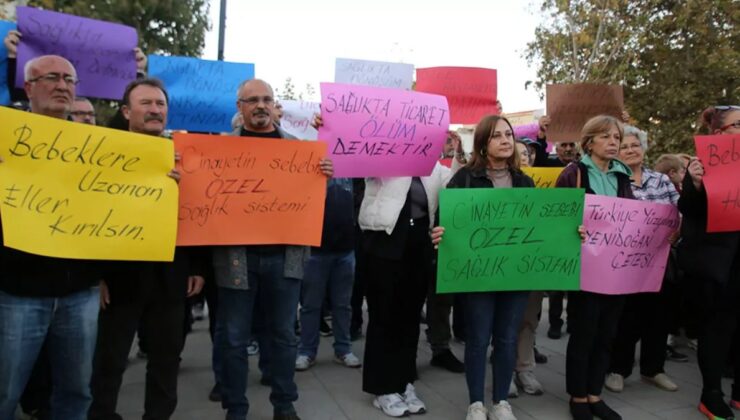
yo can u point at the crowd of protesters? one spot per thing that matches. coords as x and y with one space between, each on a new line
67 326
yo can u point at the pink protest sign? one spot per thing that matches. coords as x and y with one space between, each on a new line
626 248
382 132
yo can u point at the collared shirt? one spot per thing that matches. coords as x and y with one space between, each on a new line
656 187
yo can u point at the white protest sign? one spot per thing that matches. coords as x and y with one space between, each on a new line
374 73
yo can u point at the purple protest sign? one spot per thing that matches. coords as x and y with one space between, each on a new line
382 132
627 246
102 52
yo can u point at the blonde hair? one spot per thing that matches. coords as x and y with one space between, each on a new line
598 125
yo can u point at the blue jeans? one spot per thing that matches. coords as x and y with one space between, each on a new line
334 271
499 314
279 298
70 324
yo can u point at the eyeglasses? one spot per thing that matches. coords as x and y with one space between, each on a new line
625 146
254 100
83 113
55 78
736 124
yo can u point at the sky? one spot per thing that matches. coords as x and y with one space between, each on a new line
301 39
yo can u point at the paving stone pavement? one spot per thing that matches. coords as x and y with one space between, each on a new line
329 391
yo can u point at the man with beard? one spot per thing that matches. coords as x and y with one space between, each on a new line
148 296
268 276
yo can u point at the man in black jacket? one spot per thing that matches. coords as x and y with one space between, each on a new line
147 294
43 298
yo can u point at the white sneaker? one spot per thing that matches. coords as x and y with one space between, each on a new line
614 382
416 406
662 381
303 363
528 382
392 405
513 390
476 411
349 360
500 411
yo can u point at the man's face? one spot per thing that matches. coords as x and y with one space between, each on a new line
147 110
257 105
566 151
83 112
278 111
51 86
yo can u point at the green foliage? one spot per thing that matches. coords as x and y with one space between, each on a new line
673 57
287 92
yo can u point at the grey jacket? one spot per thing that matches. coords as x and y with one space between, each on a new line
230 262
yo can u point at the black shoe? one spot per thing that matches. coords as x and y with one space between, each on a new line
601 410
555 334
539 357
287 416
324 328
447 360
713 405
672 354
266 381
215 394
580 411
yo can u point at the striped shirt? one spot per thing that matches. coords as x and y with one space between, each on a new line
656 187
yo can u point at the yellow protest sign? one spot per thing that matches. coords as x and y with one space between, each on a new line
78 191
543 177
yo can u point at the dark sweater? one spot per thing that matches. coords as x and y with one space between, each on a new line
339 217
703 255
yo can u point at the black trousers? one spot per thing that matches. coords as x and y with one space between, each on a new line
439 307
646 318
162 329
396 290
555 310
359 287
593 322
719 327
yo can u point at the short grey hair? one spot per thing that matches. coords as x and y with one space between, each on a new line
30 64
630 130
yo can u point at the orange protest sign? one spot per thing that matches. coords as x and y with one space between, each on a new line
720 155
249 191
570 106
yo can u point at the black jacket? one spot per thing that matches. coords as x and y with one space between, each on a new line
128 281
703 255
24 274
467 178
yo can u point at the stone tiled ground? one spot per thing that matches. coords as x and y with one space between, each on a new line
332 392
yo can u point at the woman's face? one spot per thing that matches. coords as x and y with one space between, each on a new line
501 143
523 154
605 146
630 151
732 122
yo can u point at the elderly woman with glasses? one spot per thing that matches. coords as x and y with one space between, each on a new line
713 259
646 316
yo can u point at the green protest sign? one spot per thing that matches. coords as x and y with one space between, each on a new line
499 239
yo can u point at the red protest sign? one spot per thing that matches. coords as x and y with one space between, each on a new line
721 158
470 91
